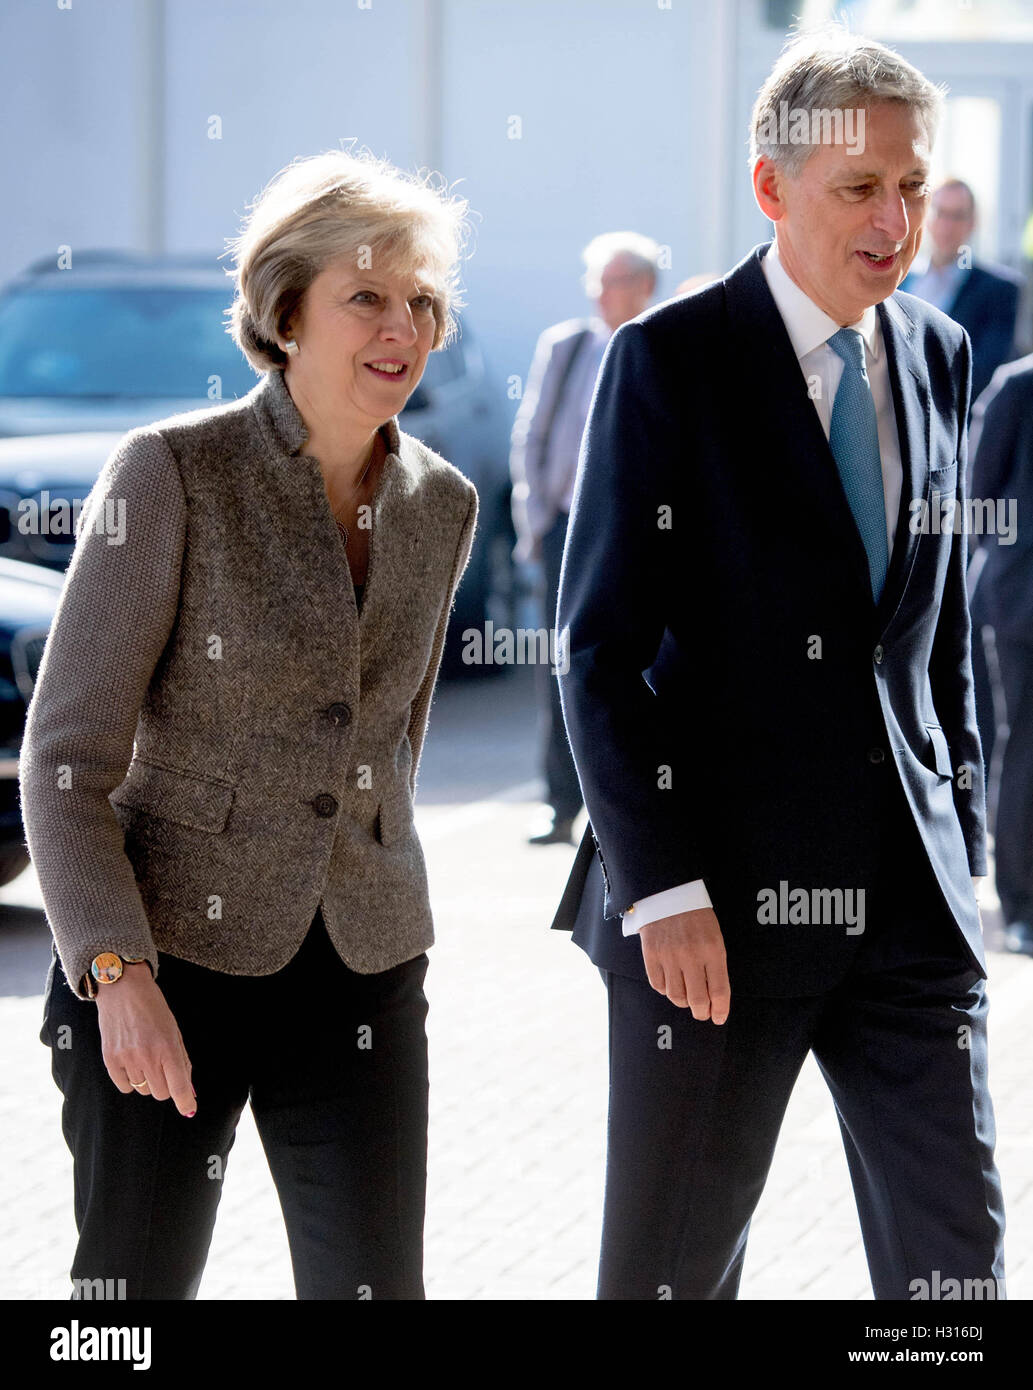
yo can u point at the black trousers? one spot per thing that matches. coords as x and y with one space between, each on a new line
695 1110
563 790
335 1066
1013 837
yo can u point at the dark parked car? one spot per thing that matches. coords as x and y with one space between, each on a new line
28 598
122 339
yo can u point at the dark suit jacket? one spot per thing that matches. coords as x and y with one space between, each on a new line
711 739
986 305
1003 468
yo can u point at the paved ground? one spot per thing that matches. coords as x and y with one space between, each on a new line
518 1085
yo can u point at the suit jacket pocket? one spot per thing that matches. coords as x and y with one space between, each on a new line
394 818
941 750
192 799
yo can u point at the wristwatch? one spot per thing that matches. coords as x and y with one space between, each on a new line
105 969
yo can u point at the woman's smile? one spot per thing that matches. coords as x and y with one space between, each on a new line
389 368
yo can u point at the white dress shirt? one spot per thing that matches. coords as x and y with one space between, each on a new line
809 330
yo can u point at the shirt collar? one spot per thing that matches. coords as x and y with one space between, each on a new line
281 419
807 325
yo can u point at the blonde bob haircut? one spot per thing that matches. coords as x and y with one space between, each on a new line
340 203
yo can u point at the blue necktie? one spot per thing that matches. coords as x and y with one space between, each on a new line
854 441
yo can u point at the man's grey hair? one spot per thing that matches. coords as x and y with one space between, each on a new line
831 70
641 253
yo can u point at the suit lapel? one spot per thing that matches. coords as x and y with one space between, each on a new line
764 356
909 385
794 432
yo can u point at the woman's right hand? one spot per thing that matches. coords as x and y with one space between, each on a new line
141 1041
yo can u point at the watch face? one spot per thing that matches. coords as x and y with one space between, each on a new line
106 968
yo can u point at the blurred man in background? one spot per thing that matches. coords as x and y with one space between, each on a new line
620 278
984 299
1002 424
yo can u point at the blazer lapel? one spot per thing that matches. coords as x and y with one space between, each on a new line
290 490
765 358
909 385
394 545
795 435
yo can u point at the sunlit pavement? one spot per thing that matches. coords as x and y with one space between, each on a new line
518 1077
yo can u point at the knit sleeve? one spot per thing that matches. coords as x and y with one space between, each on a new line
113 619
420 708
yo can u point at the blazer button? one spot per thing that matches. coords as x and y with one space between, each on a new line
324 805
876 755
878 654
339 713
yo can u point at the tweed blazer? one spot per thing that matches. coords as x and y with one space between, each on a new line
219 740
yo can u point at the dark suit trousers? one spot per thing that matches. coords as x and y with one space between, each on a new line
563 789
1013 833
901 1042
344 1126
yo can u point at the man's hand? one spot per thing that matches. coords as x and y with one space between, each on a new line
684 957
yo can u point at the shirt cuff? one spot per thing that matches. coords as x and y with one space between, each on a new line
687 897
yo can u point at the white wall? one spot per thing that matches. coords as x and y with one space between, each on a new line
70 108
633 113
285 79
620 129
622 104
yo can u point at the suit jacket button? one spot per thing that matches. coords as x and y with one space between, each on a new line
339 713
324 805
876 755
878 654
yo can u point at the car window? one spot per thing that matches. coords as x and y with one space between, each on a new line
119 342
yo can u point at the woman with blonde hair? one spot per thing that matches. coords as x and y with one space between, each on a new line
221 754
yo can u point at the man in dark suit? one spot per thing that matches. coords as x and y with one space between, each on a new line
769 702
1003 474
984 299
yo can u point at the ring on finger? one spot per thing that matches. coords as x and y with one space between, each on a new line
138 1085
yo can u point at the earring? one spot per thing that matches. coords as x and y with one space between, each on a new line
290 347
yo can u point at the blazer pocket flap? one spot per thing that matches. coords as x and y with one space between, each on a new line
941 750
394 819
187 798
